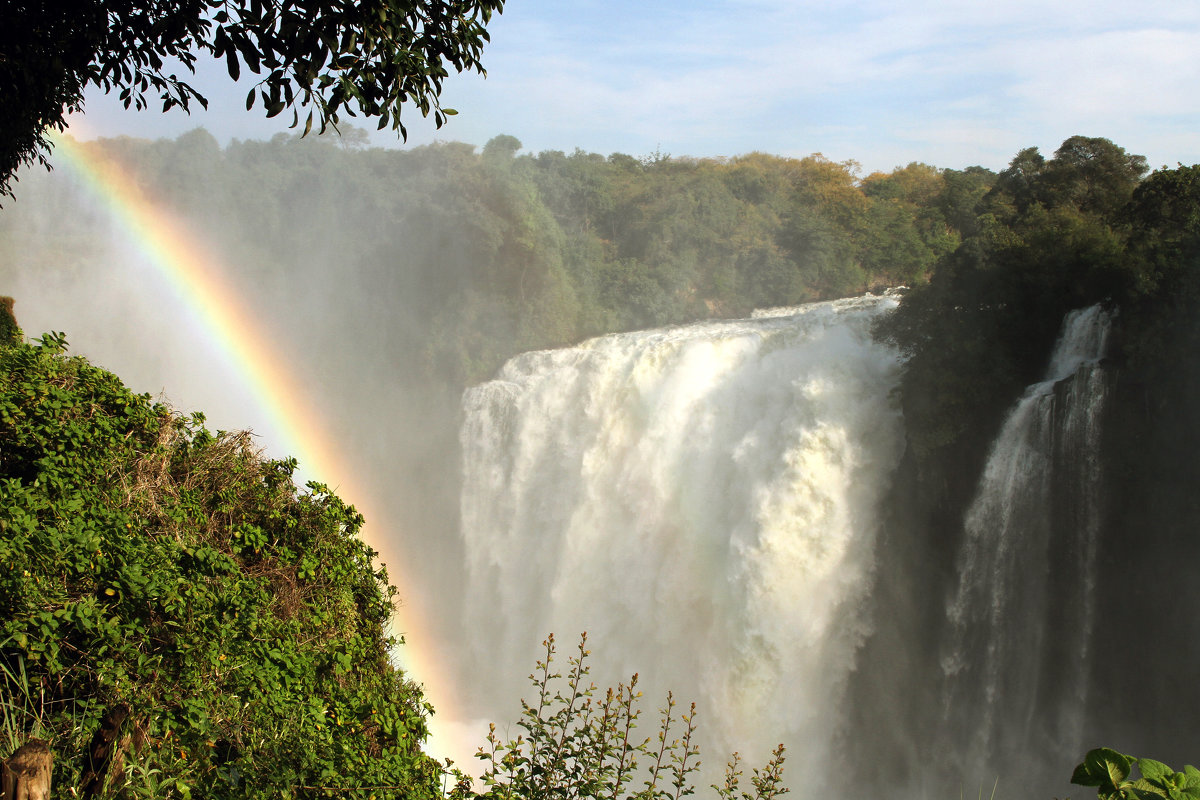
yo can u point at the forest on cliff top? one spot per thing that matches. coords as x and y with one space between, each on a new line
483 254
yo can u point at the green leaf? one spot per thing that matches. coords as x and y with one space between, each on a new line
249 52
1104 768
1154 770
231 61
1144 788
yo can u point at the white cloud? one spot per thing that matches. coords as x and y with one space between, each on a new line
1137 72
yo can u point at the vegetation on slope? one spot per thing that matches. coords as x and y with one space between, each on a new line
1050 236
1047 238
154 566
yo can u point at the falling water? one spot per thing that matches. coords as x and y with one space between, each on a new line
1022 615
704 501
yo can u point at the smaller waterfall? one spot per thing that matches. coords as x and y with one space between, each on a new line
1022 617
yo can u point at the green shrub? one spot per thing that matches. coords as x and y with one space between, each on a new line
577 745
152 564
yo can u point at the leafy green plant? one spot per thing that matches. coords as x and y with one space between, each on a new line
1112 775
153 564
144 779
577 744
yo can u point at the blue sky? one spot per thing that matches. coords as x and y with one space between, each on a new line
948 82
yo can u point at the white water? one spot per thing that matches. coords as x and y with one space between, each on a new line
1023 613
704 501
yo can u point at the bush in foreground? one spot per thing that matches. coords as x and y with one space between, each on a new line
1112 775
578 745
157 570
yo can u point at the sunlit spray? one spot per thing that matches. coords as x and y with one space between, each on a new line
704 502
193 288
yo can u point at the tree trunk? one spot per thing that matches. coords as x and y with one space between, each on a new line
105 752
26 774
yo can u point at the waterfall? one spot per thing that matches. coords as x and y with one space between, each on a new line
704 501
1022 616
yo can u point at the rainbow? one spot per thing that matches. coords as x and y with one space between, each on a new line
195 275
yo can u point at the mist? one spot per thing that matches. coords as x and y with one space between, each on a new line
337 324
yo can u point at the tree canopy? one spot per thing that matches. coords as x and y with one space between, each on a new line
337 57
1049 236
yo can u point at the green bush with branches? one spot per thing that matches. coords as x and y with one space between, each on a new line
153 566
578 745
